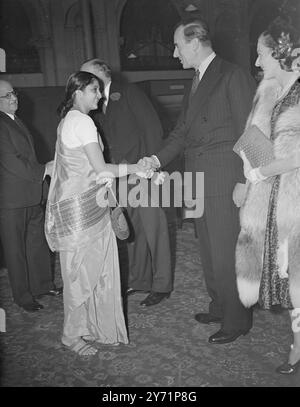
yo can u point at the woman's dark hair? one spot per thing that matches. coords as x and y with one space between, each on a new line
77 81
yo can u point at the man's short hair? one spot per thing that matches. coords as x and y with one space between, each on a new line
101 65
195 28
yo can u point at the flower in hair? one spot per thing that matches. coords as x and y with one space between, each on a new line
284 47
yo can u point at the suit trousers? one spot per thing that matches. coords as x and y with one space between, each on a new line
149 252
26 252
218 231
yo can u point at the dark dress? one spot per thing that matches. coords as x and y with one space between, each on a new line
274 290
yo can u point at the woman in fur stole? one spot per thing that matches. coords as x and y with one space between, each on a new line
268 247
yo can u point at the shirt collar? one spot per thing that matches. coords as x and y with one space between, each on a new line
10 115
205 64
106 92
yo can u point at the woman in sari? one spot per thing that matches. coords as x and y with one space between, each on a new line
267 253
78 223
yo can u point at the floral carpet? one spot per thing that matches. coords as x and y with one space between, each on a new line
168 348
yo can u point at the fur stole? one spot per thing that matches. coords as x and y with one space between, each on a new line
253 214
263 103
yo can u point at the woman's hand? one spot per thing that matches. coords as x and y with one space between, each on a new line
254 175
105 178
143 171
49 168
247 165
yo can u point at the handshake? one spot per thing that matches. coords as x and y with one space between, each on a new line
144 168
148 166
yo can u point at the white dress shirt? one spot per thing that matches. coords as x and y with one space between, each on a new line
202 68
205 64
106 93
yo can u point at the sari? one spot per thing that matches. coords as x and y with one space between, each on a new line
81 232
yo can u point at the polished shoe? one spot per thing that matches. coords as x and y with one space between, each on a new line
221 337
288 368
53 293
205 318
33 306
154 298
131 291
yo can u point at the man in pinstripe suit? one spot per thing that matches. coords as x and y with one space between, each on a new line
213 117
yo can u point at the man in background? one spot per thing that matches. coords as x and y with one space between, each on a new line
131 130
25 249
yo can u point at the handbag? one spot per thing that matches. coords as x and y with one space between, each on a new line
118 219
256 146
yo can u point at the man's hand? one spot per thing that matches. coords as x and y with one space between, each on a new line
150 163
145 170
239 194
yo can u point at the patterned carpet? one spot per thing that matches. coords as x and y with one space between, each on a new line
168 348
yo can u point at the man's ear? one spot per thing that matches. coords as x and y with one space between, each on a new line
195 44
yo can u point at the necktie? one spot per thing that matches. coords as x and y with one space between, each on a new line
18 121
195 83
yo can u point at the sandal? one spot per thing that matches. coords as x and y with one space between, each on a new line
81 347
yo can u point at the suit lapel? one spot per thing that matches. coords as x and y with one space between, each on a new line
24 130
19 130
204 89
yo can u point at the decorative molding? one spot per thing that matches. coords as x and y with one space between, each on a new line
71 16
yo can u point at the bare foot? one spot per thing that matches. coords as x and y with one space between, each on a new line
81 347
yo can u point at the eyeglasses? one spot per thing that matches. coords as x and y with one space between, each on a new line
9 95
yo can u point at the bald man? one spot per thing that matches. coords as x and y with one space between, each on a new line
22 236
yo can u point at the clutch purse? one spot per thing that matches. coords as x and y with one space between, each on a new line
256 146
118 220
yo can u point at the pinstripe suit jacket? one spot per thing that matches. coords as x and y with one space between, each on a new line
209 125
130 125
